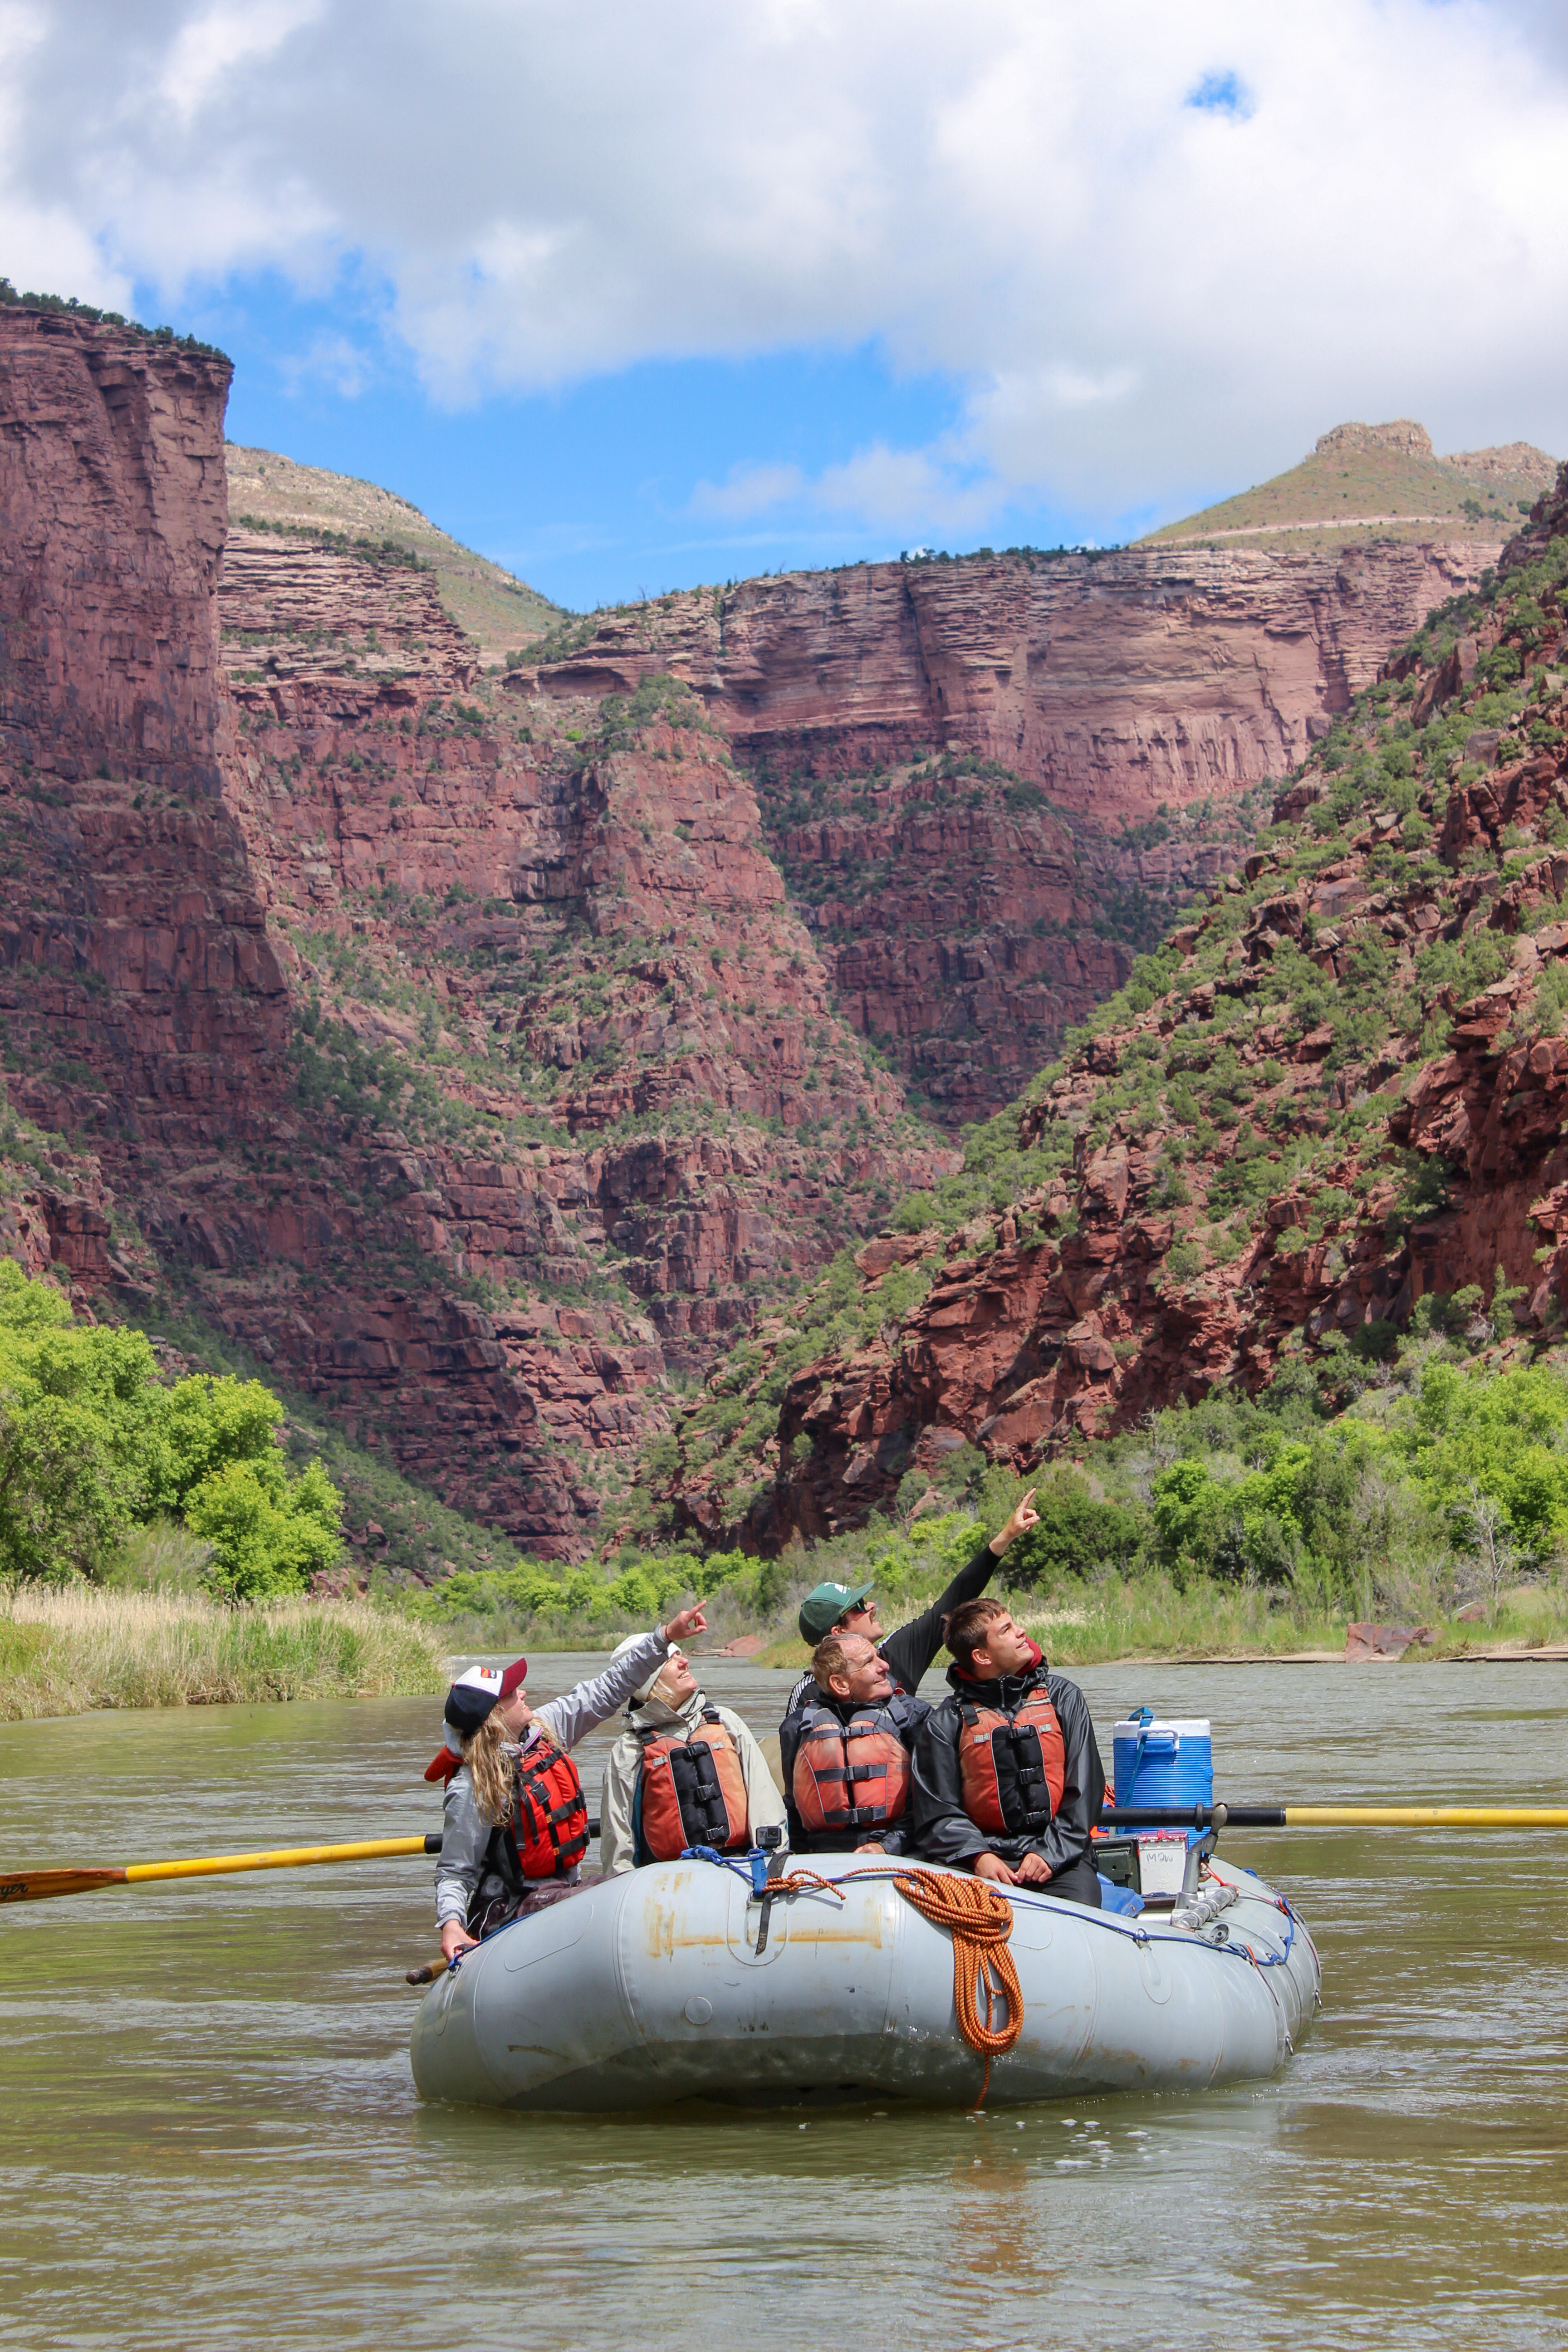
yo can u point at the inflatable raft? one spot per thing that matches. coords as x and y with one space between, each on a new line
676 1982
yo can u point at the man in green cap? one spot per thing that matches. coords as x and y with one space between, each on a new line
908 1652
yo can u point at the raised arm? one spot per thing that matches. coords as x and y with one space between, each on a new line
591 1702
910 1650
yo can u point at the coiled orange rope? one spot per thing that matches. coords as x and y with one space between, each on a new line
980 1922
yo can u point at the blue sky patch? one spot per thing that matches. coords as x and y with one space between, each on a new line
1222 93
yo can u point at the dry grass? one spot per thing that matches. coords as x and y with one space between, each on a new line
63 1652
1150 1619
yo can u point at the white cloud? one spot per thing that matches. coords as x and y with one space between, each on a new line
1364 213
329 359
750 491
227 34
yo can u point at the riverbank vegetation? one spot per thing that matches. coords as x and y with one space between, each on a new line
1412 1488
94 1445
398 1535
65 1651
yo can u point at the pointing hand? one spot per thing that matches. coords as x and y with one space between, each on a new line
1023 1515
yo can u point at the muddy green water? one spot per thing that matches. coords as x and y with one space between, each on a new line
210 2135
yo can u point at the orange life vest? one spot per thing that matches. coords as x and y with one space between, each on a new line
691 1792
849 1776
551 1824
1012 1768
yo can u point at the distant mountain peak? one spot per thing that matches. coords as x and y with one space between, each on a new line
1403 435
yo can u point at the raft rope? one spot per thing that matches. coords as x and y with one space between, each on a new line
978 1918
980 1922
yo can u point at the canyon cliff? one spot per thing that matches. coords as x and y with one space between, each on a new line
462 1070
1116 682
491 1057
991 781
1330 1109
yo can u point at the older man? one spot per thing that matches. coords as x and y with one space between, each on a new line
846 1753
683 1773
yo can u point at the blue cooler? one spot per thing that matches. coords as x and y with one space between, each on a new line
1159 1763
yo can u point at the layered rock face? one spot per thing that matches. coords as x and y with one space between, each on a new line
992 782
1114 682
465 1067
1316 1132
129 904
966 921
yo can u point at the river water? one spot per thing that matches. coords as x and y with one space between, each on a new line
210 2134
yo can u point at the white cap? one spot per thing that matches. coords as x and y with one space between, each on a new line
634 1641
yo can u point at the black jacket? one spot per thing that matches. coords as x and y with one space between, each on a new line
941 1830
908 1714
912 1649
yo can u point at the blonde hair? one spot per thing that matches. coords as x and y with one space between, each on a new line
491 1760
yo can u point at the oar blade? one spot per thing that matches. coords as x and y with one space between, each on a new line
40 1886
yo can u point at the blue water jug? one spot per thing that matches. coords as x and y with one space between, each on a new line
1160 1763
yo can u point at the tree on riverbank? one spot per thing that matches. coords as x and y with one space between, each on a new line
93 1443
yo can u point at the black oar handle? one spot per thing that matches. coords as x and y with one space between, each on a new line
433 1837
1192 1816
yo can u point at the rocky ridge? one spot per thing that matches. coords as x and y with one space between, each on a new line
1328 1110
991 781
1362 481
500 612
464 1071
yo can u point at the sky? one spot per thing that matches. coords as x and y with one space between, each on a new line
632 298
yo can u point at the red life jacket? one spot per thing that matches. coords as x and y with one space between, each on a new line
551 1822
691 1791
849 1776
1012 1768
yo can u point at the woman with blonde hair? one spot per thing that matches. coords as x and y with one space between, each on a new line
515 1826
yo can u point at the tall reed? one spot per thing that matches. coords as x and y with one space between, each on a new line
65 1651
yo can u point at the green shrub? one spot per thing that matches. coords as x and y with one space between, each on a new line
91 1445
270 1533
1076 1532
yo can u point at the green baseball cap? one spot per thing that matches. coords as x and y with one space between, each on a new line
821 1610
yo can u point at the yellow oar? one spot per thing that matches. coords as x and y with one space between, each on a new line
39 1885
1423 1817
1329 1817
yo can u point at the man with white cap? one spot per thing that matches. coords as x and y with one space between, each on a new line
515 1827
684 1772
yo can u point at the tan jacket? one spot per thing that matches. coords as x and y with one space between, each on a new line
764 1806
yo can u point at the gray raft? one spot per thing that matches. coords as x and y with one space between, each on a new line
651 1988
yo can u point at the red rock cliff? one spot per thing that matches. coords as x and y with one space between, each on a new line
961 764
1316 1131
331 964
1115 682
128 899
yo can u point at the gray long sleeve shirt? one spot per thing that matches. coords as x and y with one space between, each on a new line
465 1832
